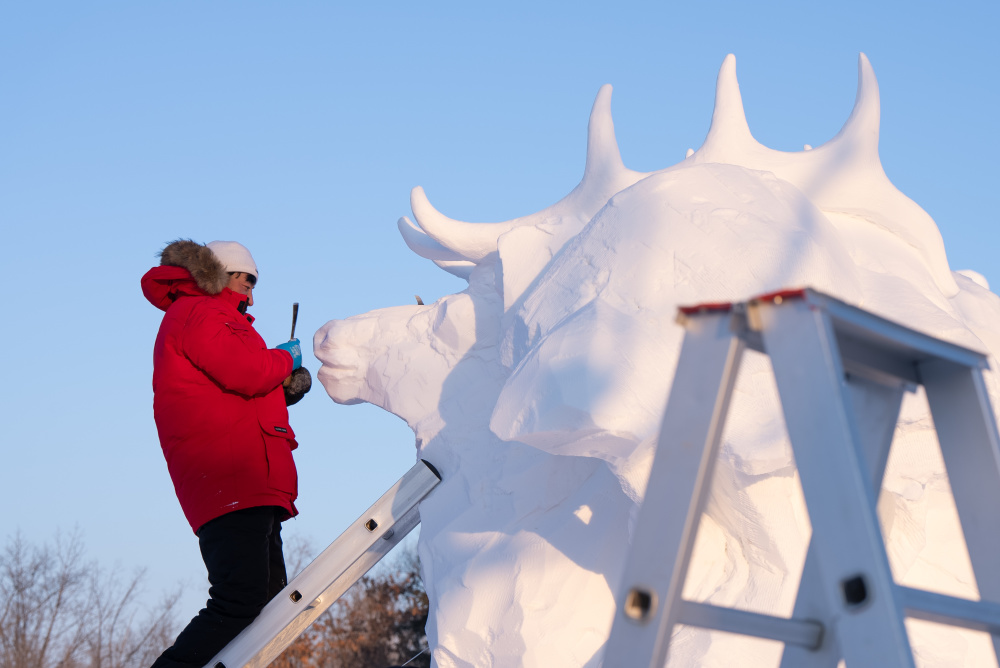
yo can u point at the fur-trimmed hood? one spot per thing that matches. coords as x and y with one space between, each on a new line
186 269
206 269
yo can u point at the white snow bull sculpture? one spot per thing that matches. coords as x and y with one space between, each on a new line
537 391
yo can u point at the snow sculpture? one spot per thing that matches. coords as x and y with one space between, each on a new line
538 390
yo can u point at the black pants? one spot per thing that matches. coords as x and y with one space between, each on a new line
246 569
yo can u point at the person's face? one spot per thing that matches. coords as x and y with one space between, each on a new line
242 283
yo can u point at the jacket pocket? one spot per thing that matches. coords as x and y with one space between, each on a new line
280 429
279 441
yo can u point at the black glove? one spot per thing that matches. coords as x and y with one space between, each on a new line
297 385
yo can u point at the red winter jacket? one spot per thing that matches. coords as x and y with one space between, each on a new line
218 401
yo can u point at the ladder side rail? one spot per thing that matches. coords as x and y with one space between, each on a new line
280 642
967 433
649 600
855 573
364 535
876 406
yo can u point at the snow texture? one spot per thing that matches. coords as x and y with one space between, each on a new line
538 390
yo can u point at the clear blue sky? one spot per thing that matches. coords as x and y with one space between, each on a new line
299 128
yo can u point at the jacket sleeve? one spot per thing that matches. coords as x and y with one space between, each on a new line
232 354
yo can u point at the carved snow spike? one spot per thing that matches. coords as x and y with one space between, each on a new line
730 139
729 129
604 159
840 176
862 126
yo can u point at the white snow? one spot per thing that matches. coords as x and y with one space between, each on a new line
538 390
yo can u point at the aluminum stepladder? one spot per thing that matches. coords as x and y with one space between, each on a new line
840 373
322 582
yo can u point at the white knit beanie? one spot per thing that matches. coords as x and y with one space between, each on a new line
234 256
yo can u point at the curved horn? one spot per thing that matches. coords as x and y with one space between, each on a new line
426 247
422 244
729 128
862 126
451 244
461 269
603 156
468 241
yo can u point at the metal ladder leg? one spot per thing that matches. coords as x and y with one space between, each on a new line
967 433
876 407
682 469
853 566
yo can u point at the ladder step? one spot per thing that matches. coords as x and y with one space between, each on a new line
918 604
801 632
931 607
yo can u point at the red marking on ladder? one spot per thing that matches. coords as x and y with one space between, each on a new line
708 307
724 307
781 295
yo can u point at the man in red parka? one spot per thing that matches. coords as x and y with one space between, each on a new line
221 415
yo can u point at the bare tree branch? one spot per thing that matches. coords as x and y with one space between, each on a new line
59 611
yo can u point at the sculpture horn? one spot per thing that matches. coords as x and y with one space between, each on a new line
468 241
729 132
422 244
603 155
861 129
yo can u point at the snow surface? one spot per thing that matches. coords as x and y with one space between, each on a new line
537 391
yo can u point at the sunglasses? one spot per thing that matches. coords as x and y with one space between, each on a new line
249 278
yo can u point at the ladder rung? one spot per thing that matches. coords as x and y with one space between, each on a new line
801 632
931 607
919 604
